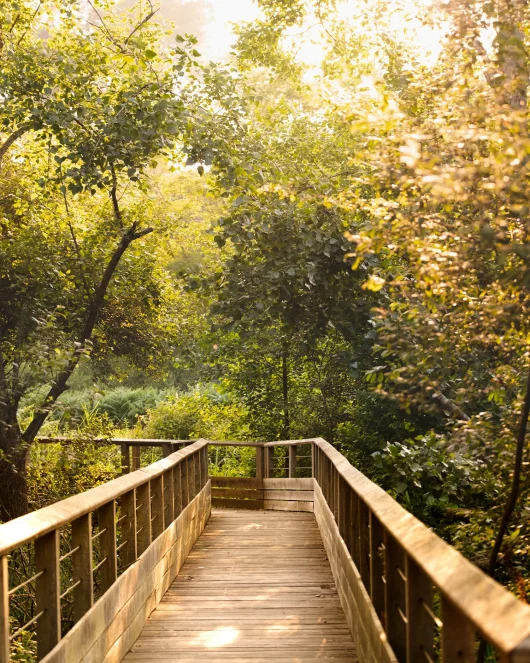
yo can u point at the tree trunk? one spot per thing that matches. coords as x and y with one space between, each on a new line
13 459
285 396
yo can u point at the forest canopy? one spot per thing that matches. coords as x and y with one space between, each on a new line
325 235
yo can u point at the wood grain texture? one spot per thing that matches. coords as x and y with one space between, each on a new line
110 627
251 590
275 494
365 627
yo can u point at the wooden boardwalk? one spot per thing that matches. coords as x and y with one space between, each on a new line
257 586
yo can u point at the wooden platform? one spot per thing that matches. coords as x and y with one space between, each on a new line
257 586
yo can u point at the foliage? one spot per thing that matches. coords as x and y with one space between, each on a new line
199 413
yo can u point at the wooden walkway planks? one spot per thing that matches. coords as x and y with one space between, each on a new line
257 586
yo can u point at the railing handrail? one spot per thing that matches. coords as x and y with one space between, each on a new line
33 525
494 611
147 442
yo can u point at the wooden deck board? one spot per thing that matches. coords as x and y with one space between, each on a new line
256 587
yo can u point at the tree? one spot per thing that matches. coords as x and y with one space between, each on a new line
94 105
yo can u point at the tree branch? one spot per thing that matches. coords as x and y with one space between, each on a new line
59 385
514 493
12 139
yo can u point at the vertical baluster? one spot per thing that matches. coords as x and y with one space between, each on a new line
206 452
143 517
168 483
157 507
128 528
269 452
136 452
292 461
191 478
177 490
47 592
354 509
184 469
420 627
364 544
260 462
458 635
343 509
313 460
395 596
4 610
82 565
333 492
346 516
125 458
197 467
377 567
107 542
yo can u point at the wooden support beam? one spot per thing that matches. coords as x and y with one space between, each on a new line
395 603
458 635
82 565
143 517
420 625
125 458
168 492
128 552
4 610
157 507
47 593
292 461
377 567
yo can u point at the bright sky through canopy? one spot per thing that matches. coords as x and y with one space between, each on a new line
216 35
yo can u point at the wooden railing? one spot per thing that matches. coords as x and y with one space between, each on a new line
420 589
102 542
408 596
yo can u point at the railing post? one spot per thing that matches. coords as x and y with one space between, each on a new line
128 528
107 543
344 512
292 461
377 567
167 449
269 462
395 604
354 510
458 635
47 592
314 460
168 483
136 457
420 626
143 516
82 565
197 467
364 544
125 458
184 483
190 465
260 462
157 507
206 455
177 490
4 610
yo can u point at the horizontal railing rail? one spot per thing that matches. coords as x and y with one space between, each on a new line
80 546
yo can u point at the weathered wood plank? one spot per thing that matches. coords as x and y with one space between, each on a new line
262 484
237 603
